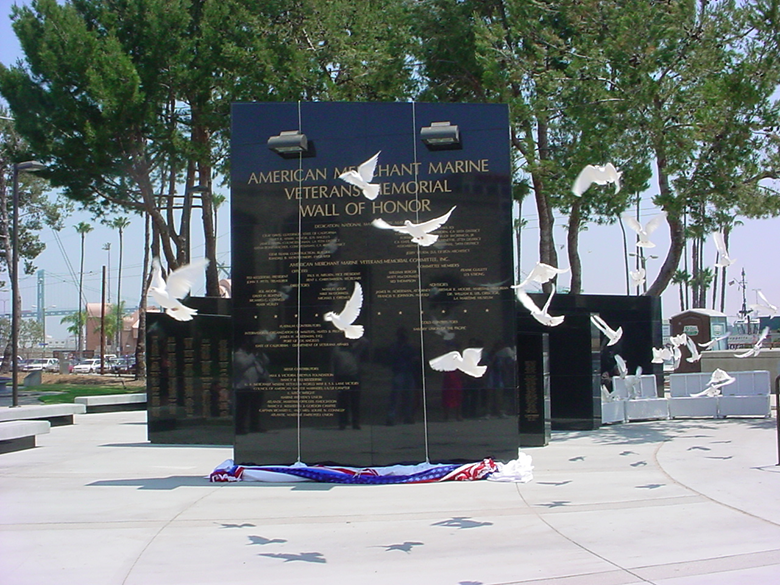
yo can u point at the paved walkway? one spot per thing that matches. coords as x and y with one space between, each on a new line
671 503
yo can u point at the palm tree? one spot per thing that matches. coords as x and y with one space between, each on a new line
119 223
681 278
82 228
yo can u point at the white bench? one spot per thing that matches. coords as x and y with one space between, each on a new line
748 395
56 414
113 402
647 405
16 435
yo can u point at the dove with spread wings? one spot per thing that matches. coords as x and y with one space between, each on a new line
420 232
596 174
363 176
167 292
645 231
468 362
344 321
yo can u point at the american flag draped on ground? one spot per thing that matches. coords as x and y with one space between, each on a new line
519 470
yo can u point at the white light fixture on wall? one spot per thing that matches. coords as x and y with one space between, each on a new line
440 136
290 144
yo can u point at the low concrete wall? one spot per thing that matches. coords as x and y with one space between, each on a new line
768 359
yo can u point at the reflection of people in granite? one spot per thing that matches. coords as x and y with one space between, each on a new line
405 366
452 394
473 390
500 379
345 365
248 370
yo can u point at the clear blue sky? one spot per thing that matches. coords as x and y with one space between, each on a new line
755 245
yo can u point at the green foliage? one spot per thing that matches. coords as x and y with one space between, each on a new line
75 322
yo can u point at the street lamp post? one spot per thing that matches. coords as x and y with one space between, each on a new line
23 167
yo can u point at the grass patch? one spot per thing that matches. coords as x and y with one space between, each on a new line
67 393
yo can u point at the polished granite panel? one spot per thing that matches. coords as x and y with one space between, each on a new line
533 377
188 384
302 239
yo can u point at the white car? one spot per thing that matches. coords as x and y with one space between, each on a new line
91 366
45 364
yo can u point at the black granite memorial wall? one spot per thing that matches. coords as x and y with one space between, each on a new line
303 239
188 384
533 372
579 353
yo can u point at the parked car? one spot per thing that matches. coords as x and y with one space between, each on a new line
90 366
123 365
45 364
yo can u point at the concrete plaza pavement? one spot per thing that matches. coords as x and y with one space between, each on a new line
689 502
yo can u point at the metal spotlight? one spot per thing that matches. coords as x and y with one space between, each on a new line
440 136
289 144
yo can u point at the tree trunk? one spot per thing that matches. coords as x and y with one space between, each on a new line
676 234
572 241
547 252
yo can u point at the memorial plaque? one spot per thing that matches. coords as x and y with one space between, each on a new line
188 383
533 364
303 240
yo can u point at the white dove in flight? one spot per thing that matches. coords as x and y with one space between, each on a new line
712 342
541 273
637 276
363 176
540 315
420 232
167 292
613 335
644 231
756 349
718 379
661 355
596 174
764 306
724 259
468 363
695 355
344 320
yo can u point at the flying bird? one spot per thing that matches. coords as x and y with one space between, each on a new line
645 231
540 315
613 335
724 259
637 276
596 174
344 320
756 349
712 342
695 355
541 273
621 366
167 292
468 363
362 177
765 306
718 379
420 232
662 354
